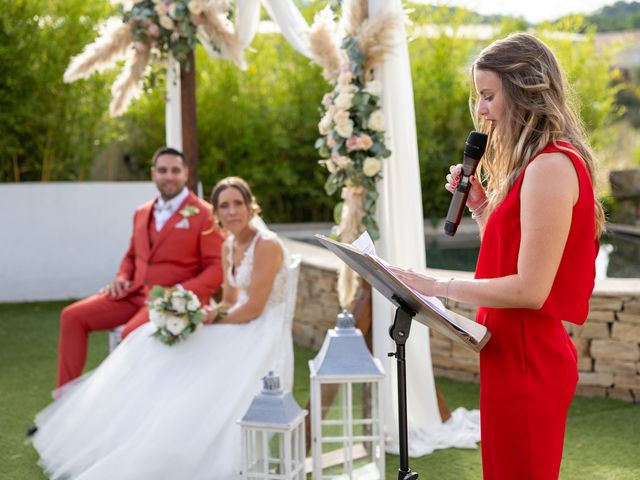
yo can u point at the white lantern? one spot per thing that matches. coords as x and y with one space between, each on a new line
272 434
346 407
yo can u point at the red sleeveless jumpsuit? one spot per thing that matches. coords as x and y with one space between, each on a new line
528 370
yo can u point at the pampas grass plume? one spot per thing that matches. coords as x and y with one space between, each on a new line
100 55
354 13
324 46
378 37
221 33
128 85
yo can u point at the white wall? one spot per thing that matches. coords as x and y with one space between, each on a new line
64 240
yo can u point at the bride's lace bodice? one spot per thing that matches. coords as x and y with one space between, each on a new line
242 277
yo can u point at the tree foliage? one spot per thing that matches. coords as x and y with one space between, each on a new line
260 124
48 130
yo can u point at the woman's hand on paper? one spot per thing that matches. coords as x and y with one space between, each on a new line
420 282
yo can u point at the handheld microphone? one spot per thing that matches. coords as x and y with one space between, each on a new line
473 151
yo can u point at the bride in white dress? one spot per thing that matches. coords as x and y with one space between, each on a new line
157 412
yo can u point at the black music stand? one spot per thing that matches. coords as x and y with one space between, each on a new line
410 305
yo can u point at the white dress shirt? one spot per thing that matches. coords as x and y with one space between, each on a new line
162 210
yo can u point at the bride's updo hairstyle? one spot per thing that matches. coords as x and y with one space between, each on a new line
239 184
538 109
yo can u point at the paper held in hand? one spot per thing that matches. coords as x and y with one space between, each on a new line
430 311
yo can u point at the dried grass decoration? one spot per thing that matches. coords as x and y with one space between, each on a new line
352 142
149 31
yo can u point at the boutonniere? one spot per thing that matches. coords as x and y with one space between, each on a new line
189 211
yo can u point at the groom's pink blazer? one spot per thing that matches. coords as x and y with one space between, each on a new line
186 251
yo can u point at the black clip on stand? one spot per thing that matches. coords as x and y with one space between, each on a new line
399 332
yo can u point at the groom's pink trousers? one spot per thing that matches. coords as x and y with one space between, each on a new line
98 312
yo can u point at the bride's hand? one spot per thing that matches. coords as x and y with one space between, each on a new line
424 284
477 198
210 314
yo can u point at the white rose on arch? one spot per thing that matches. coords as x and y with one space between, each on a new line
166 22
344 101
371 166
196 7
374 87
347 88
345 129
376 121
325 124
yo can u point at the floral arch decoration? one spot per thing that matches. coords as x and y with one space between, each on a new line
149 32
352 141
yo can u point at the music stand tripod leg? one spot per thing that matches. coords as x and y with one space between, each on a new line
399 332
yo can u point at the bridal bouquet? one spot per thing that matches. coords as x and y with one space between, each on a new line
175 312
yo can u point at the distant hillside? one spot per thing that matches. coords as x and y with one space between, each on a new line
617 17
424 13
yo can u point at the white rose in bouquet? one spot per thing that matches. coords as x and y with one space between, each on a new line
158 318
178 302
175 325
175 312
371 166
193 304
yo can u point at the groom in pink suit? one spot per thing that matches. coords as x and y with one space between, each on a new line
174 241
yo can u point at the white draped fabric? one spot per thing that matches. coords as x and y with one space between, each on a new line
401 225
173 107
402 243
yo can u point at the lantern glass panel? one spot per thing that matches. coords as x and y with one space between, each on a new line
346 461
365 409
254 448
335 409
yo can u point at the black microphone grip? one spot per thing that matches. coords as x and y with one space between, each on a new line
459 200
473 151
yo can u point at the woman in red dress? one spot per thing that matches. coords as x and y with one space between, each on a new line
540 224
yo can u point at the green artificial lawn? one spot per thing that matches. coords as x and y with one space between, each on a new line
602 441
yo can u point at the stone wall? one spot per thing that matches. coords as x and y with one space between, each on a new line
625 188
608 347
608 344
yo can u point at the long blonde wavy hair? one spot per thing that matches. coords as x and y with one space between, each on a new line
536 112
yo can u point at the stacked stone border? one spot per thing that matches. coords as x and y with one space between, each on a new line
608 344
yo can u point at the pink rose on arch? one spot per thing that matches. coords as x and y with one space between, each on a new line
196 20
327 100
331 142
365 142
154 30
140 47
352 143
345 78
344 67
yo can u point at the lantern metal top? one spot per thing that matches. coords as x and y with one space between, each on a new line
344 353
272 407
